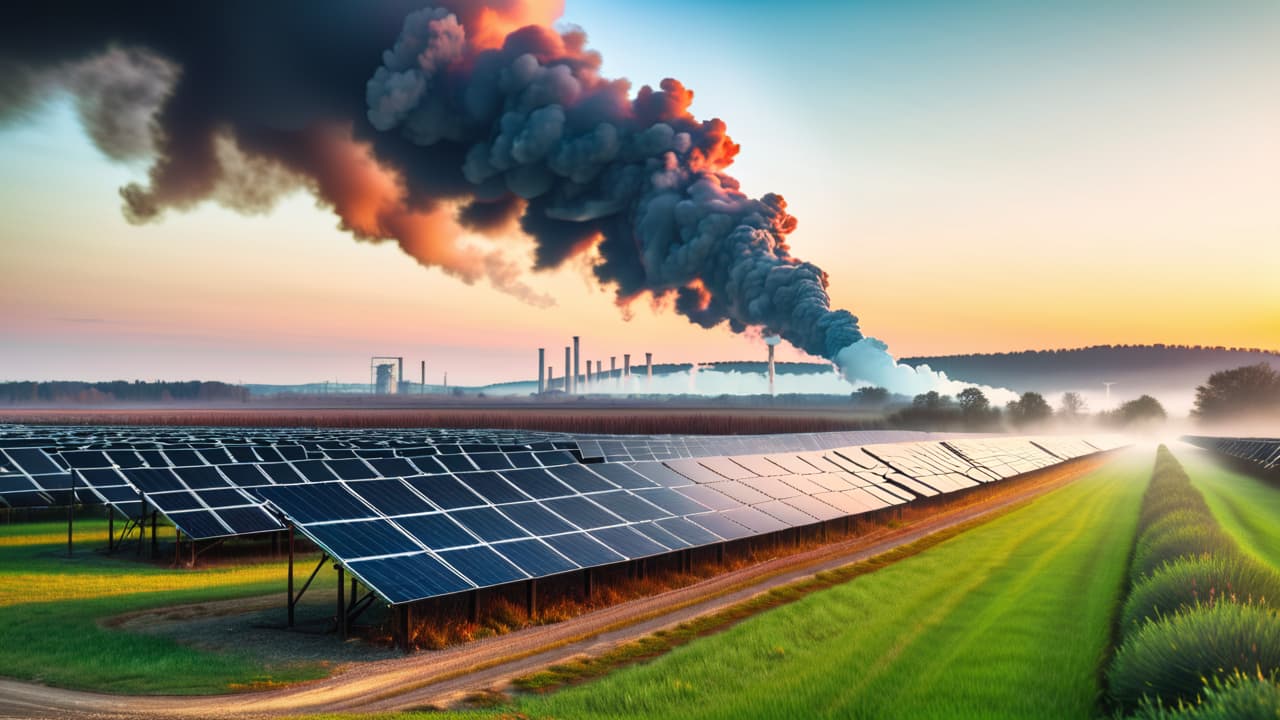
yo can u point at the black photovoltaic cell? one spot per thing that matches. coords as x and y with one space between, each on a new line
281 473
580 478
445 491
492 487
659 535
623 476
535 558
317 503
363 538
201 477
483 566
721 525
582 512
410 577
687 531
628 507
393 467
583 549
351 469
537 483
152 480
198 523
390 497
314 470
436 531
170 502
488 523
536 519
248 520
628 542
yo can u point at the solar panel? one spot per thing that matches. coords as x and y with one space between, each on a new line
417 513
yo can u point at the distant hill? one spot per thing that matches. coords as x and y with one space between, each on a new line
1160 370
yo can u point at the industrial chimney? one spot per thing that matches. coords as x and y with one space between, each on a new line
577 369
772 341
568 368
648 370
542 367
626 365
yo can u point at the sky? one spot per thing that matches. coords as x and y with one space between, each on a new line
974 177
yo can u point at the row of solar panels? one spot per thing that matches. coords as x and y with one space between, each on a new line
418 526
1265 452
417 538
35 462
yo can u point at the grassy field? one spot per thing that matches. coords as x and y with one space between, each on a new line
53 608
1246 507
1011 619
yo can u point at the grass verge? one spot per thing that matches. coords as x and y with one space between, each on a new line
53 608
1246 507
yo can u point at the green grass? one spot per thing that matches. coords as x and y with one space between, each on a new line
1246 507
52 608
1011 619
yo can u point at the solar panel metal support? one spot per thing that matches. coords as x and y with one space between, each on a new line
293 599
154 544
473 606
111 529
531 597
720 553
290 622
71 510
402 627
587 583
342 602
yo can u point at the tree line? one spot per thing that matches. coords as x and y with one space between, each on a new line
93 393
1245 393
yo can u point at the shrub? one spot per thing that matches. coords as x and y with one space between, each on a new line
1241 697
1170 659
1184 583
1179 542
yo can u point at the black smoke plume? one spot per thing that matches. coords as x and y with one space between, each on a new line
414 121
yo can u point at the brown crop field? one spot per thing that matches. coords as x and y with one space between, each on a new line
646 419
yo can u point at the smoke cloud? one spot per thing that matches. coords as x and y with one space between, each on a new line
413 122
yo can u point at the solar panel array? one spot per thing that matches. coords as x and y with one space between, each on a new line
421 513
1264 452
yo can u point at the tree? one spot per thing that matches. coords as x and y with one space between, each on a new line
870 396
1029 409
1072 405
1248 390
973 403
931 401
1146 410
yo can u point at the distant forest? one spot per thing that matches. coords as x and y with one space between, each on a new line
119 391
1132 366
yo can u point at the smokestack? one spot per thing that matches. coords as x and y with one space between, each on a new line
399 386
542 367
626 365
577 369
648 369
772 341
422 387
613 365
551 377
568 370
599 374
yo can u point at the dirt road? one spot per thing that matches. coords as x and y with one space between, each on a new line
434 678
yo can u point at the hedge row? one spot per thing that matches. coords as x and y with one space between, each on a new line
1200 630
